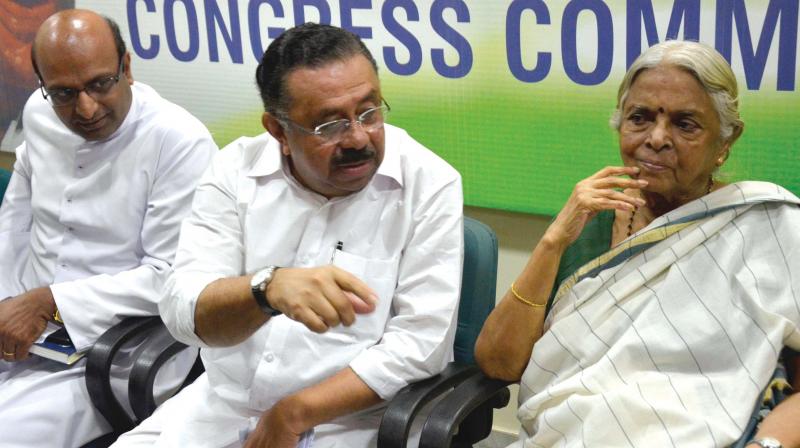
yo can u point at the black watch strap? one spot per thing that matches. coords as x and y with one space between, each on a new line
258 286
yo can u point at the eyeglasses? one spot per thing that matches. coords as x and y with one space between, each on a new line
333 132
95 89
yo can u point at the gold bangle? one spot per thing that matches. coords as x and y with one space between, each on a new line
57 317
524 300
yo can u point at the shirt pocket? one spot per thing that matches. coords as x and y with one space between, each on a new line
380 274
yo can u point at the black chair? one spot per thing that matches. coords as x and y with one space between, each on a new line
98 374
477 301
455 421
159 348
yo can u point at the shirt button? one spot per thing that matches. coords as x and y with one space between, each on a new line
69 200
80 167
270 357
70 229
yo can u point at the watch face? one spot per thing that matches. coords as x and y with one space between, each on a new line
259 277
769 442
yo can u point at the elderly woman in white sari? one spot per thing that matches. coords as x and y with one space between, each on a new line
653 310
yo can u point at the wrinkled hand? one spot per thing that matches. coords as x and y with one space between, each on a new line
590 196
22 319
275 429
320 298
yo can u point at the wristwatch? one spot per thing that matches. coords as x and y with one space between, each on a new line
766 442
258 285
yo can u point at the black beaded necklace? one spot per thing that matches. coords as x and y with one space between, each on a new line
635 209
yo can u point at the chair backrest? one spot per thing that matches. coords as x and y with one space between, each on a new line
478 286
5 177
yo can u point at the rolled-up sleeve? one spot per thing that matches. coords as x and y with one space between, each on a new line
210 247
418 340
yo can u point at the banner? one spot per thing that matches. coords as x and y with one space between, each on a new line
514 94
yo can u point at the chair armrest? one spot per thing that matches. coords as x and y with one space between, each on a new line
157 350
402 409
447 415
98 368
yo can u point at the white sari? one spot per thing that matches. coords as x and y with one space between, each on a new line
669 338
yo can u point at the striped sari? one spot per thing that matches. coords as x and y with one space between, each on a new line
669 338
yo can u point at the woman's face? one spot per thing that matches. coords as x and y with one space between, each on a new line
671 131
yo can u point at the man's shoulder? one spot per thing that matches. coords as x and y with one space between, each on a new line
248 153
416 161
43 132
38 117
159 114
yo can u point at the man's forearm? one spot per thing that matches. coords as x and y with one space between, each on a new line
226 313
341 394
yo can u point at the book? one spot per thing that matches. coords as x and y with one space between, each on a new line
58 347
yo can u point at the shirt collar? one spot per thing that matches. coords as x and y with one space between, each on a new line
391 165
269 159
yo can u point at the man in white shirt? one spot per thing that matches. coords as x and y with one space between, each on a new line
89 224
320 268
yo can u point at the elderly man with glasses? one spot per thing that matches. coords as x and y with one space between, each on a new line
320 268
89 224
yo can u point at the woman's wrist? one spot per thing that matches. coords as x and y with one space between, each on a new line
554 241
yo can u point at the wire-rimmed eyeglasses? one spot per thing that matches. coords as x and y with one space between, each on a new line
95 89
334 131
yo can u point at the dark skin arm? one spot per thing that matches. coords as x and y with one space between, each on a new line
782 423
283 424
23 319
506 341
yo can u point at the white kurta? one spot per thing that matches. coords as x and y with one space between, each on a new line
402 235
99 223
671 346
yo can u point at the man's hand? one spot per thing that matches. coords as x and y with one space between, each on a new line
320 298
341 394
277 428
22 319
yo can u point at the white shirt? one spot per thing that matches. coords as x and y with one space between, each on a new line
402 235
99 221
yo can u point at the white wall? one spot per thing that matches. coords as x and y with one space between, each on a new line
517 234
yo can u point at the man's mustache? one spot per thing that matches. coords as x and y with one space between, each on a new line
353 156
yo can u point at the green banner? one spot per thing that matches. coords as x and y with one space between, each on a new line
515 94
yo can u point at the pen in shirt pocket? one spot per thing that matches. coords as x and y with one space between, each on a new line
339 246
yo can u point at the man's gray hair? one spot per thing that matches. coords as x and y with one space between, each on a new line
705 64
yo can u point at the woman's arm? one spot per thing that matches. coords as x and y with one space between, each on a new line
782 423
507 338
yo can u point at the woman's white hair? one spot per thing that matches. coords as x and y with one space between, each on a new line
704 63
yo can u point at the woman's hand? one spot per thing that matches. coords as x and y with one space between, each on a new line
504 346
591 195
